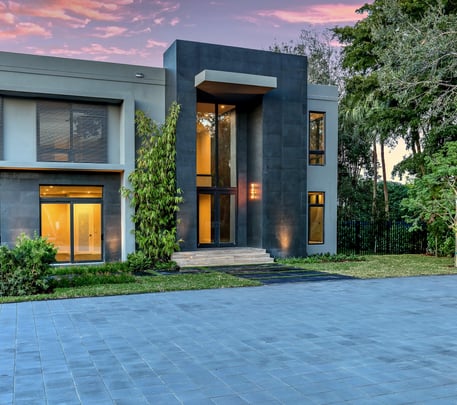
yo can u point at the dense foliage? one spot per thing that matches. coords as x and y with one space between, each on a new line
433 196
401 59
153 193
24 268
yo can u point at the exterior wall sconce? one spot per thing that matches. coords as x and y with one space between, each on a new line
254 191
139 75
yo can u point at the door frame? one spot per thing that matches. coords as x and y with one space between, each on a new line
216 193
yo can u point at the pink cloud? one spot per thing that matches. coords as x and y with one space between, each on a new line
154 44
316 14
7 18
175 21
25 29
75 11
94 50
108 32
97 49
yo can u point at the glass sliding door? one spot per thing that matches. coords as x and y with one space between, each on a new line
71 218
216 174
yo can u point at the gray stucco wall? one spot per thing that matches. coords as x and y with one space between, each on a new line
325 178
25 78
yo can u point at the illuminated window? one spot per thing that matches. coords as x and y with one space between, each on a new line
71 219
69 132
316 138
316 203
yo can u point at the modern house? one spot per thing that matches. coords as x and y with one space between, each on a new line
256 150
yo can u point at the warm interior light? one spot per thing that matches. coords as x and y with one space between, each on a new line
254 191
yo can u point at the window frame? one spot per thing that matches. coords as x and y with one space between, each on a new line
74 111
316 205
317 154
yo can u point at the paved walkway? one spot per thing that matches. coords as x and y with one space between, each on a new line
391 341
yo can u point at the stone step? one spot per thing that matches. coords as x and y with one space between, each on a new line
222 257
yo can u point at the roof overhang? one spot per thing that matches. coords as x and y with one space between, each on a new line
219 83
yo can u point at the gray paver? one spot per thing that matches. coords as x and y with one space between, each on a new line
387 341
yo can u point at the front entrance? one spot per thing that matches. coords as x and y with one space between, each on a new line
216 175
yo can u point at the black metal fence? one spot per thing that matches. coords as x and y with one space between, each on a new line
379 237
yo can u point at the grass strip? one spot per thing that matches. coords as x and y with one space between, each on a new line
383 266
145 284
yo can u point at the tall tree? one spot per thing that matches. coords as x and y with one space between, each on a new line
389 43
418 68
324 59
153 194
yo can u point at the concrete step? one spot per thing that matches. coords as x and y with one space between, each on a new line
221 257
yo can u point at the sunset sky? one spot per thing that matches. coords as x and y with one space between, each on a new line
139 31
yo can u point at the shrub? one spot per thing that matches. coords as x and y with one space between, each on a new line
139 262
79 276
23 269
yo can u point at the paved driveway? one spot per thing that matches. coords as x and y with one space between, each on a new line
389 341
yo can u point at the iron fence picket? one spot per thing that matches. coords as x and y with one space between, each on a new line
379 237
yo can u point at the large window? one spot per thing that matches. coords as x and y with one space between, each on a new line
70 132
316 203
71 218
316 138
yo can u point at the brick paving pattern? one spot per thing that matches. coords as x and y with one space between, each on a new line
390 341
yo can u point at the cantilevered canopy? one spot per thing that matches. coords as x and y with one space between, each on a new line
219 83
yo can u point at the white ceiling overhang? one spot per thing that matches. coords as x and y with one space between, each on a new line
219 83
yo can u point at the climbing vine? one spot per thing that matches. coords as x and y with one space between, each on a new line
153 194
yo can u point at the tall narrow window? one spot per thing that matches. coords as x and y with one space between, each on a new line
71 218
316 138
69 132
316 203
216 174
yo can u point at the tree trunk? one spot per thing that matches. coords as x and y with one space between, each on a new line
384 181
375 181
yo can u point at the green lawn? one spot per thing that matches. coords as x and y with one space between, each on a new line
143 284
386 266
369 267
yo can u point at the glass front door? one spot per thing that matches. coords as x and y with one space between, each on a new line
216 174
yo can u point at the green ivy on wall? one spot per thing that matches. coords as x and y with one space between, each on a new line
153 194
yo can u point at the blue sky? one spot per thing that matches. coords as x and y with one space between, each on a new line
139 31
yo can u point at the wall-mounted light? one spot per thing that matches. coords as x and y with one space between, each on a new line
139 75
254 191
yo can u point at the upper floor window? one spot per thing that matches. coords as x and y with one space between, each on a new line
71 132
316 138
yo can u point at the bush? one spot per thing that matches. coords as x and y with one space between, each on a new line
139 262
79 276
23 269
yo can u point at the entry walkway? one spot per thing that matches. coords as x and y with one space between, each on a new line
391 341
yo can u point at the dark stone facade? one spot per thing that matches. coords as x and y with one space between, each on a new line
271 143
20 204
